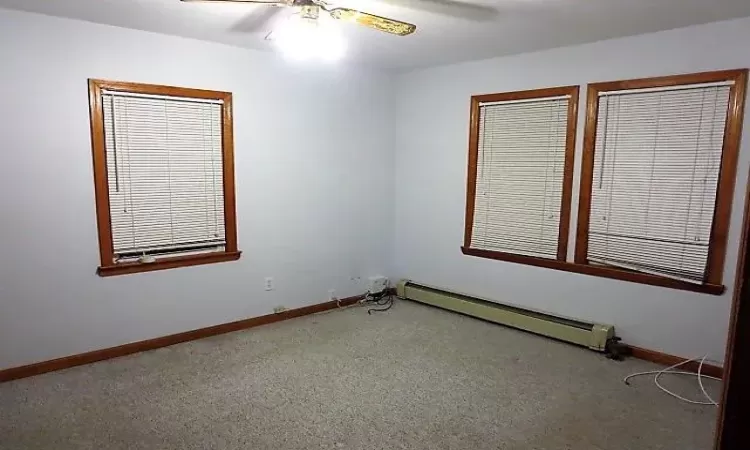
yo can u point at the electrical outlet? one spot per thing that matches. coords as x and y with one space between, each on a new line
279 309
332 295
268 283
377 284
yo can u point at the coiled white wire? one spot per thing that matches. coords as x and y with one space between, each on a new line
658 374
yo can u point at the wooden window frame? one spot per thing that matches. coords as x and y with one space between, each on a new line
725 191
101 185
567 191
725 188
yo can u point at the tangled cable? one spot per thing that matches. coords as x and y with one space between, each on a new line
658 374
382 301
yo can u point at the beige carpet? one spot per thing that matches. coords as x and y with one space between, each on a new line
414 377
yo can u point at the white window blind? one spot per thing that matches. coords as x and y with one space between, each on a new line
656 168
520 171
164 170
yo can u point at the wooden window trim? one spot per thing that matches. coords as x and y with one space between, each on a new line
725 189
570 142
101 185
599 271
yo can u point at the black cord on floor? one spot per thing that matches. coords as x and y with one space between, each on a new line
384 300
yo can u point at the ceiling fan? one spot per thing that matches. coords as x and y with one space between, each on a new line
310 10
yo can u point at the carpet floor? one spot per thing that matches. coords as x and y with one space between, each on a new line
414 377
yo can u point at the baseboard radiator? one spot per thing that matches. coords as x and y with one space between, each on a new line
591 335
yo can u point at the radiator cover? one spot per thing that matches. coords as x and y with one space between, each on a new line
591 335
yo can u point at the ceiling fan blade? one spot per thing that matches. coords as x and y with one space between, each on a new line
258 20
372 21
263 2
453 8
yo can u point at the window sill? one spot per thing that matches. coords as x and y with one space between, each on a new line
167 263
605 272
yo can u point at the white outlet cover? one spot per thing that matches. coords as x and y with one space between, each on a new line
377 284
268 283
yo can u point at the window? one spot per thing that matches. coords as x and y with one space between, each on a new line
657 178
658 175
520 174
164 177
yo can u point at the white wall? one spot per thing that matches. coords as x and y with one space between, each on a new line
431 154
313 150
315 194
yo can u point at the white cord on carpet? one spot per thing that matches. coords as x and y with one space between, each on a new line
658 373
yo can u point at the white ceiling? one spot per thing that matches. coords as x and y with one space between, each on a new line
518 26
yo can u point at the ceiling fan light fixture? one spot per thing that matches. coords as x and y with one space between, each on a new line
301 38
